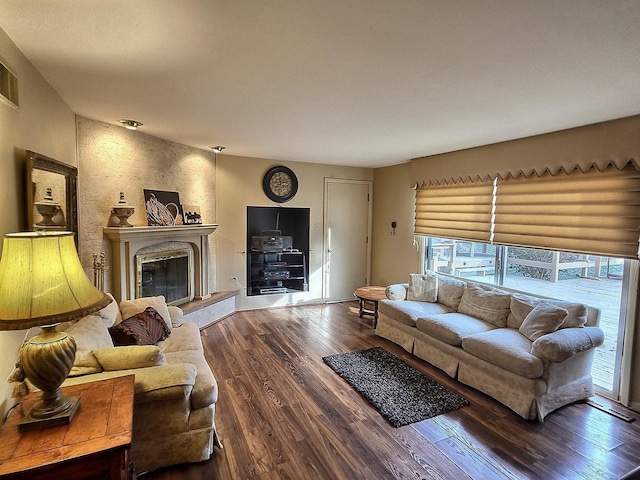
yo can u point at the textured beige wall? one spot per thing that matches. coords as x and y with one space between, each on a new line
394 257
113 159
44 124
240 185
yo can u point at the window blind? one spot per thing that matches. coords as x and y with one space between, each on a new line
594 212
460 211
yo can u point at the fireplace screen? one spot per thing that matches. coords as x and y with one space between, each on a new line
165 273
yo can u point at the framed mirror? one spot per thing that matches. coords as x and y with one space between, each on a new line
44 173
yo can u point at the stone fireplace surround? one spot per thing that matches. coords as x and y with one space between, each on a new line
126 242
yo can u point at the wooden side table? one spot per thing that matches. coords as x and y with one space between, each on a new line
372 295
94 445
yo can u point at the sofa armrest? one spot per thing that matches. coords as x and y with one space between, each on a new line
397 291
165 382
562 344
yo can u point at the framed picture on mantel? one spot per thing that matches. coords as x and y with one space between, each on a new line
163 208
192 215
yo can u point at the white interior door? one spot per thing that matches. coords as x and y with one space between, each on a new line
347 233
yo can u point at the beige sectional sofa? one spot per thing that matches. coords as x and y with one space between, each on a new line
532 354
175 389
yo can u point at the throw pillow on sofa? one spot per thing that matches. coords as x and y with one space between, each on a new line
128 357
521 306
544 318
423 288
396 291
144 328
129 308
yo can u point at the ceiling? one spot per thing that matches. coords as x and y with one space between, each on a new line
350 82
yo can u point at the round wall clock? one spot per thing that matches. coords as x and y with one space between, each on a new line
280 184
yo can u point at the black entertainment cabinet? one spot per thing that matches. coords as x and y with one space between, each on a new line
278 272
277 246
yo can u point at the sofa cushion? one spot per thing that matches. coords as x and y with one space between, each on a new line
450 291
451 328
129 308
111 313
544 318
423 288
132 356
407 311
205 389
506 348
577 316
486 303
144 328
89 334
520 307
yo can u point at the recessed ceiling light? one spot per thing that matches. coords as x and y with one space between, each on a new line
217 148
130 124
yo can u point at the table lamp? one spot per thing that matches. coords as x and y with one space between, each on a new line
42 283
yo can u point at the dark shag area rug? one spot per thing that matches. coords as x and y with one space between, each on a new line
401 393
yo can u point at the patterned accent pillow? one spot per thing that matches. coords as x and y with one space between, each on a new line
423 288
144 328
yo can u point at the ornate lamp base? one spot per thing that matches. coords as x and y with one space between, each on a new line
31 421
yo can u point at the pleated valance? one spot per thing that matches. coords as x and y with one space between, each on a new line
595 146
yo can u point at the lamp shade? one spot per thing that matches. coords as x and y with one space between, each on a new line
42 281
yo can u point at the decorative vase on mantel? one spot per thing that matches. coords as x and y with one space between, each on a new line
123 212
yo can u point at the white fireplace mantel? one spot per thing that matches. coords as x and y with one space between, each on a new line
127 241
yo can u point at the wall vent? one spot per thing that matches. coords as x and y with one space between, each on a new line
8 87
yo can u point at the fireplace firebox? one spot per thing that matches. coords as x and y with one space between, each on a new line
168 273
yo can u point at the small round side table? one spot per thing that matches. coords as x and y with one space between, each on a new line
371 295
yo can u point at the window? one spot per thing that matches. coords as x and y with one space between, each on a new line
601 282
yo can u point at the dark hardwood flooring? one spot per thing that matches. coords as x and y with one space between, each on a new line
283 414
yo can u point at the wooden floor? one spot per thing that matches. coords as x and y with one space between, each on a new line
283 414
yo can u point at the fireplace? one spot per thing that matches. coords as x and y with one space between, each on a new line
145 257
166 272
